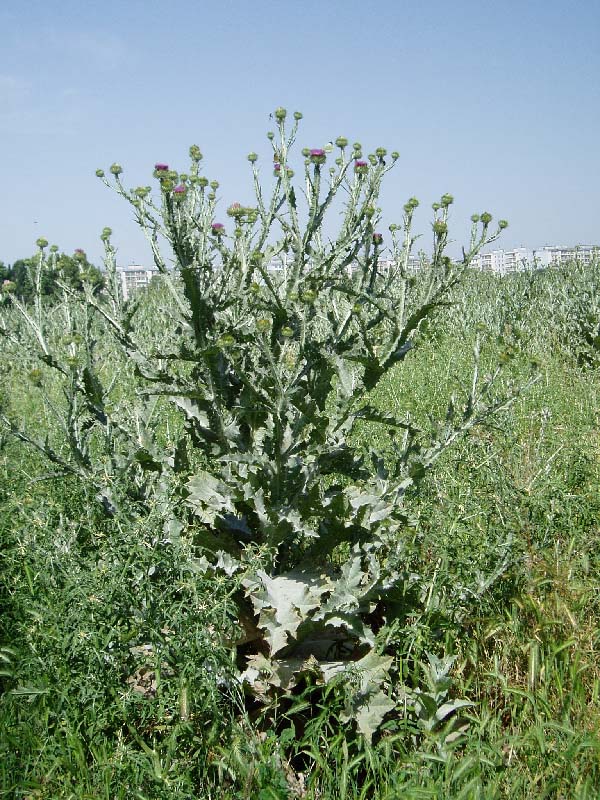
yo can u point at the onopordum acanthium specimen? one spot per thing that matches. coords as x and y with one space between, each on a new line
270 372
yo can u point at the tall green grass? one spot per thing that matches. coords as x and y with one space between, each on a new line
116 677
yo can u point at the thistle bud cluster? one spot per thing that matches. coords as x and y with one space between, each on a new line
242 213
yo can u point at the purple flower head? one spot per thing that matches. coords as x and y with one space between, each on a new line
79 251
217 228
276 167
377 238
179 189
161 167
360 164
318 152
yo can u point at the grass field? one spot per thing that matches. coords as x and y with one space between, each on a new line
116 674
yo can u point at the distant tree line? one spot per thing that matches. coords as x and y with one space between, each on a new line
70 270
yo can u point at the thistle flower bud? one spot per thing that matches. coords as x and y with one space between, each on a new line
8 286
308 296
161 170
287 332
502 224
227 340
297 115
474 217
361 167
54 248
446 200
217 228
305 152
252 158
280 114
357 146
41 242
183 177
195 153
263 324
369 211
79 254
179 192
116 169
270 136
99 173
486 218
395 155
203 182
277 170
166 185
393 227
235 210
440 227
317 155
106 234
377 239
436 206
142 191
380 152
341 142
211 196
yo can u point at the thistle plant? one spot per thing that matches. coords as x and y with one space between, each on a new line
269 371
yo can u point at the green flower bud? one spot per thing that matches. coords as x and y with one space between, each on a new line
341 142
357 146
116 169
42 243
252 158
440 227
474 217
195 153
263 324
413 202
106 234
227 340
447 200
211 196
166 185
203 182
287 332
254 288
502 224
308 296
372 159
280 114
305 152
297 115
142 191
214 185
183 177
395 155
270 136
54 248
99 173
357 308
369 211
393 227
380 152
339 161
486 218
436 206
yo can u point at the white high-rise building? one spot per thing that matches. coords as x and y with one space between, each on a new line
135 277
553 255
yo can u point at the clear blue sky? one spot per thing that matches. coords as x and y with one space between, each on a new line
495 102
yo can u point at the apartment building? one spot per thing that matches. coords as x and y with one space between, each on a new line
135 277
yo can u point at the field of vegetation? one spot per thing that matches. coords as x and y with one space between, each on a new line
327 534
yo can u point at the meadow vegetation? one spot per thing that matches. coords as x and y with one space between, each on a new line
330 532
